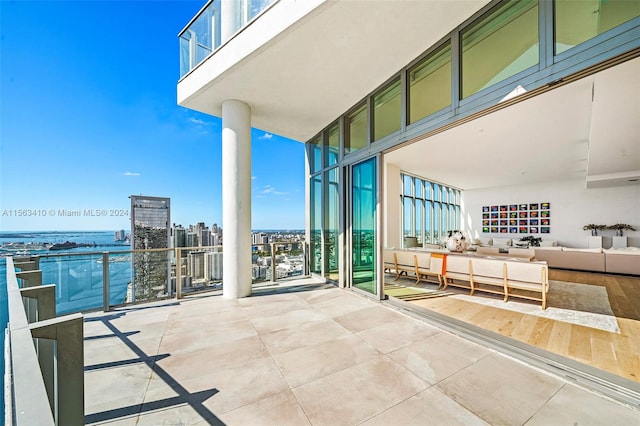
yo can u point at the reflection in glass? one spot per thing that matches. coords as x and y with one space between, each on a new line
363 232
356 129
386 111
332 149
315 243
314 153
430 84
499 45
579 21
331 231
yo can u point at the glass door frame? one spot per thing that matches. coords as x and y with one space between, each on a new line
378 228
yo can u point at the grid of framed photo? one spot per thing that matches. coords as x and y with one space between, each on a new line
531 218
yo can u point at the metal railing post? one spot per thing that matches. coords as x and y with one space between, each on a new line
178 273
105 281
273 263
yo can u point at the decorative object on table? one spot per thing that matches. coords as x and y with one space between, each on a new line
455 241
620 227
531 241
594 228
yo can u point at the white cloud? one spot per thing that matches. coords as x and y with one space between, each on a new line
268 189
253 178
198 121
266 136
131 174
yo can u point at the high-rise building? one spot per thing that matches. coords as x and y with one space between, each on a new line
150 229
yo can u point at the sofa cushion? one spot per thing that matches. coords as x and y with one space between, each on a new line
583 250
548 243
484 241
556 248
501 242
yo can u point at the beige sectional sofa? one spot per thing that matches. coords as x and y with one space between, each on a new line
616 261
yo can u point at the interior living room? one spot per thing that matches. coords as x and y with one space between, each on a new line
544 168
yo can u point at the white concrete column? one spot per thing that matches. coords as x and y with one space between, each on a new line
231 17
236 199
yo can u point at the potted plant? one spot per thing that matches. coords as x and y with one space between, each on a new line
594 228
532 241
620 227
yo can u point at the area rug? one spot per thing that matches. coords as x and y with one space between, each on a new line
581 304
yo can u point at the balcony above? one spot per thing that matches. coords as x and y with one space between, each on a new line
301 64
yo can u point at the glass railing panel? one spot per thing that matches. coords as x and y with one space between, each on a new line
78 280
198 268
290 260
214 25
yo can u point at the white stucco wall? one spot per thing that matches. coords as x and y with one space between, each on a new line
572 207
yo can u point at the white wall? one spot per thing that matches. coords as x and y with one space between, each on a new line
572 207
391 197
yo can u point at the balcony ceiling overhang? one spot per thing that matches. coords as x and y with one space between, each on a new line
302 64
588 129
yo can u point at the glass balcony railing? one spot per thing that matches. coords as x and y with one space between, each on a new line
213 26
102 280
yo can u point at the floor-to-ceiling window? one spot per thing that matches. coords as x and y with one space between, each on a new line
315 243
331 226
363 225
429 209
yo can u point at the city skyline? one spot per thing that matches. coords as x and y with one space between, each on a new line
89 117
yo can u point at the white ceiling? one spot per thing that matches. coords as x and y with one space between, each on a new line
588 129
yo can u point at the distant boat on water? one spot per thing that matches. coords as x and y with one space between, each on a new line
63 246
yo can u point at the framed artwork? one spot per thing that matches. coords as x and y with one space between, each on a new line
520 218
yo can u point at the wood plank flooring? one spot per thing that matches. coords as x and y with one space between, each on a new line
616 353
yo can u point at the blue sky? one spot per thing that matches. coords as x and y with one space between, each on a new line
88 116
